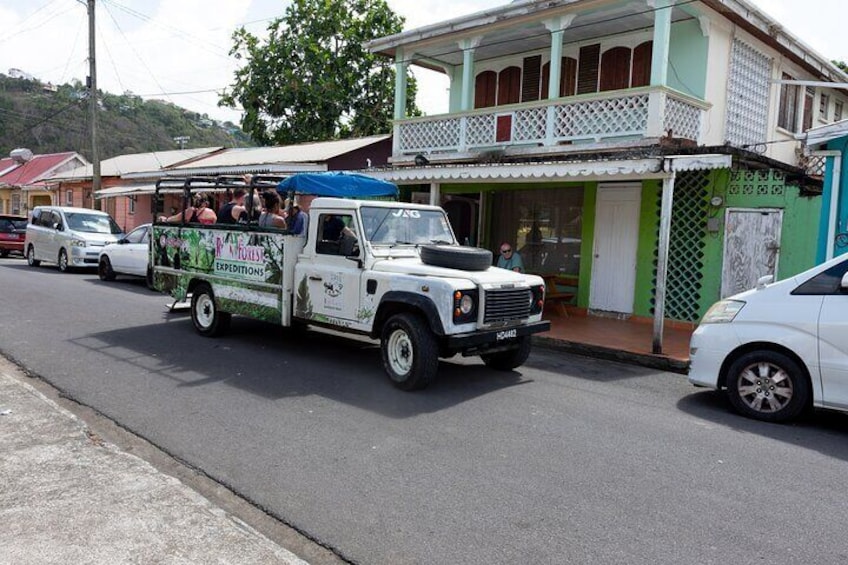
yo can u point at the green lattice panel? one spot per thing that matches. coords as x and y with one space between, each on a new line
686 246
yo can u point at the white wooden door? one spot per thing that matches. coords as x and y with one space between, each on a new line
751 248
613 282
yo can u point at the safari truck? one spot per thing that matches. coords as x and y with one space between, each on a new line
388 270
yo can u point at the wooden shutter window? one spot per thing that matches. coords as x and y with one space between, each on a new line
509 86
642 55
485 89
531 80
809 96
587 74
568 77
615 69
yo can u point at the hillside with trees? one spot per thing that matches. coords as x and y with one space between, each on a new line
50 119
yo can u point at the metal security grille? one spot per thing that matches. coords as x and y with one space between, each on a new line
686 246
747 95
507 304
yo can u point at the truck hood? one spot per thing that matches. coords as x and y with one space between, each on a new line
492 275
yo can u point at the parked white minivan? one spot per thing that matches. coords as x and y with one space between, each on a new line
69 237
781 348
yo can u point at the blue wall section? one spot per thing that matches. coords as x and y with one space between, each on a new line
840 144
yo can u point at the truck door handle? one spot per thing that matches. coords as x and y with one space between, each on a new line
315 278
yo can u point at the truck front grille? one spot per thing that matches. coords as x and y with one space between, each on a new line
507 304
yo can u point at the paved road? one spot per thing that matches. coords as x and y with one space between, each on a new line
567 460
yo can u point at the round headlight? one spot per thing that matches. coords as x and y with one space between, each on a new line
466 304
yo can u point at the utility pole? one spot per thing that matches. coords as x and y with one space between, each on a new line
92 103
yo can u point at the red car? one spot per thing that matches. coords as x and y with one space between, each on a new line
12 234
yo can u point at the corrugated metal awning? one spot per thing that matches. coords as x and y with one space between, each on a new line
125 190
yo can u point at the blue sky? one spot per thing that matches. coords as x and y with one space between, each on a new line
177 50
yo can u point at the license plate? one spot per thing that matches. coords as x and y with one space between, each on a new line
506 334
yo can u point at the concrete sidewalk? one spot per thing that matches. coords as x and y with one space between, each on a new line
66 496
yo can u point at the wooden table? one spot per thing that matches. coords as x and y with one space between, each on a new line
559 298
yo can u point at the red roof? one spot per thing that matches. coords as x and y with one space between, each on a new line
31 171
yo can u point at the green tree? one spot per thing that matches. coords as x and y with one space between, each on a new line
312 80
842 65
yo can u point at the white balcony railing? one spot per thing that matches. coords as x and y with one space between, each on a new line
643 112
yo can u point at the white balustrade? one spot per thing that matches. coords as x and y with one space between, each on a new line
594 117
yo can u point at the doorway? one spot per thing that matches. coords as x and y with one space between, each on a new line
751 247
613 284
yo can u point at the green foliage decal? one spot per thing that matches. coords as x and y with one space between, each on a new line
304 303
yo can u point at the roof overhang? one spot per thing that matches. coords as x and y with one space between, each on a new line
824 134
273 169
606 170
126 190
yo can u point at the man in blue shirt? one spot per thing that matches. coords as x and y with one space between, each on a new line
510 259
300 222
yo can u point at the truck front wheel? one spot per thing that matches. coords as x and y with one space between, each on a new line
410 352
509 359
208 320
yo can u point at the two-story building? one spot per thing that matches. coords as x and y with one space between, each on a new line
642 151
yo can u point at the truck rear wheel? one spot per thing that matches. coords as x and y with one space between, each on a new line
208 320
410 353
509 359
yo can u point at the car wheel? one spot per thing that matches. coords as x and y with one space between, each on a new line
768 386
63 261
104 269
208 320
31 260
509 359
409 350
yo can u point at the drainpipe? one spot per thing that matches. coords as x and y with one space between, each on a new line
662 255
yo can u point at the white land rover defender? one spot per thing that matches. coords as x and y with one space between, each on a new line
390 270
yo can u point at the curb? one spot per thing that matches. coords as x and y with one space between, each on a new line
660 362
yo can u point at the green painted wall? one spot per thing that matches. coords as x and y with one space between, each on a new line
590 200
742 189
799 231
687 65
646 252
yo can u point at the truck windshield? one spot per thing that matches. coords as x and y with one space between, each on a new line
405 226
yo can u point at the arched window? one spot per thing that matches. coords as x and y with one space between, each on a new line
615 69
509 86
485 89
567 77
642 64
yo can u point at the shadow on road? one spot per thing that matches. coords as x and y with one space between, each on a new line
822 430
276 363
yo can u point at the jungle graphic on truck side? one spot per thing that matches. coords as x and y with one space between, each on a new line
248 262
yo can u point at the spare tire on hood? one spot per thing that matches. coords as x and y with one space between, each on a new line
457 257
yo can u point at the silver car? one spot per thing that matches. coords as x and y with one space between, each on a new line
69 237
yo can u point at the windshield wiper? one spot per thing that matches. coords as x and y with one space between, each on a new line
440 242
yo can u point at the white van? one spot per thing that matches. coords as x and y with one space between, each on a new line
69 237
780 348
